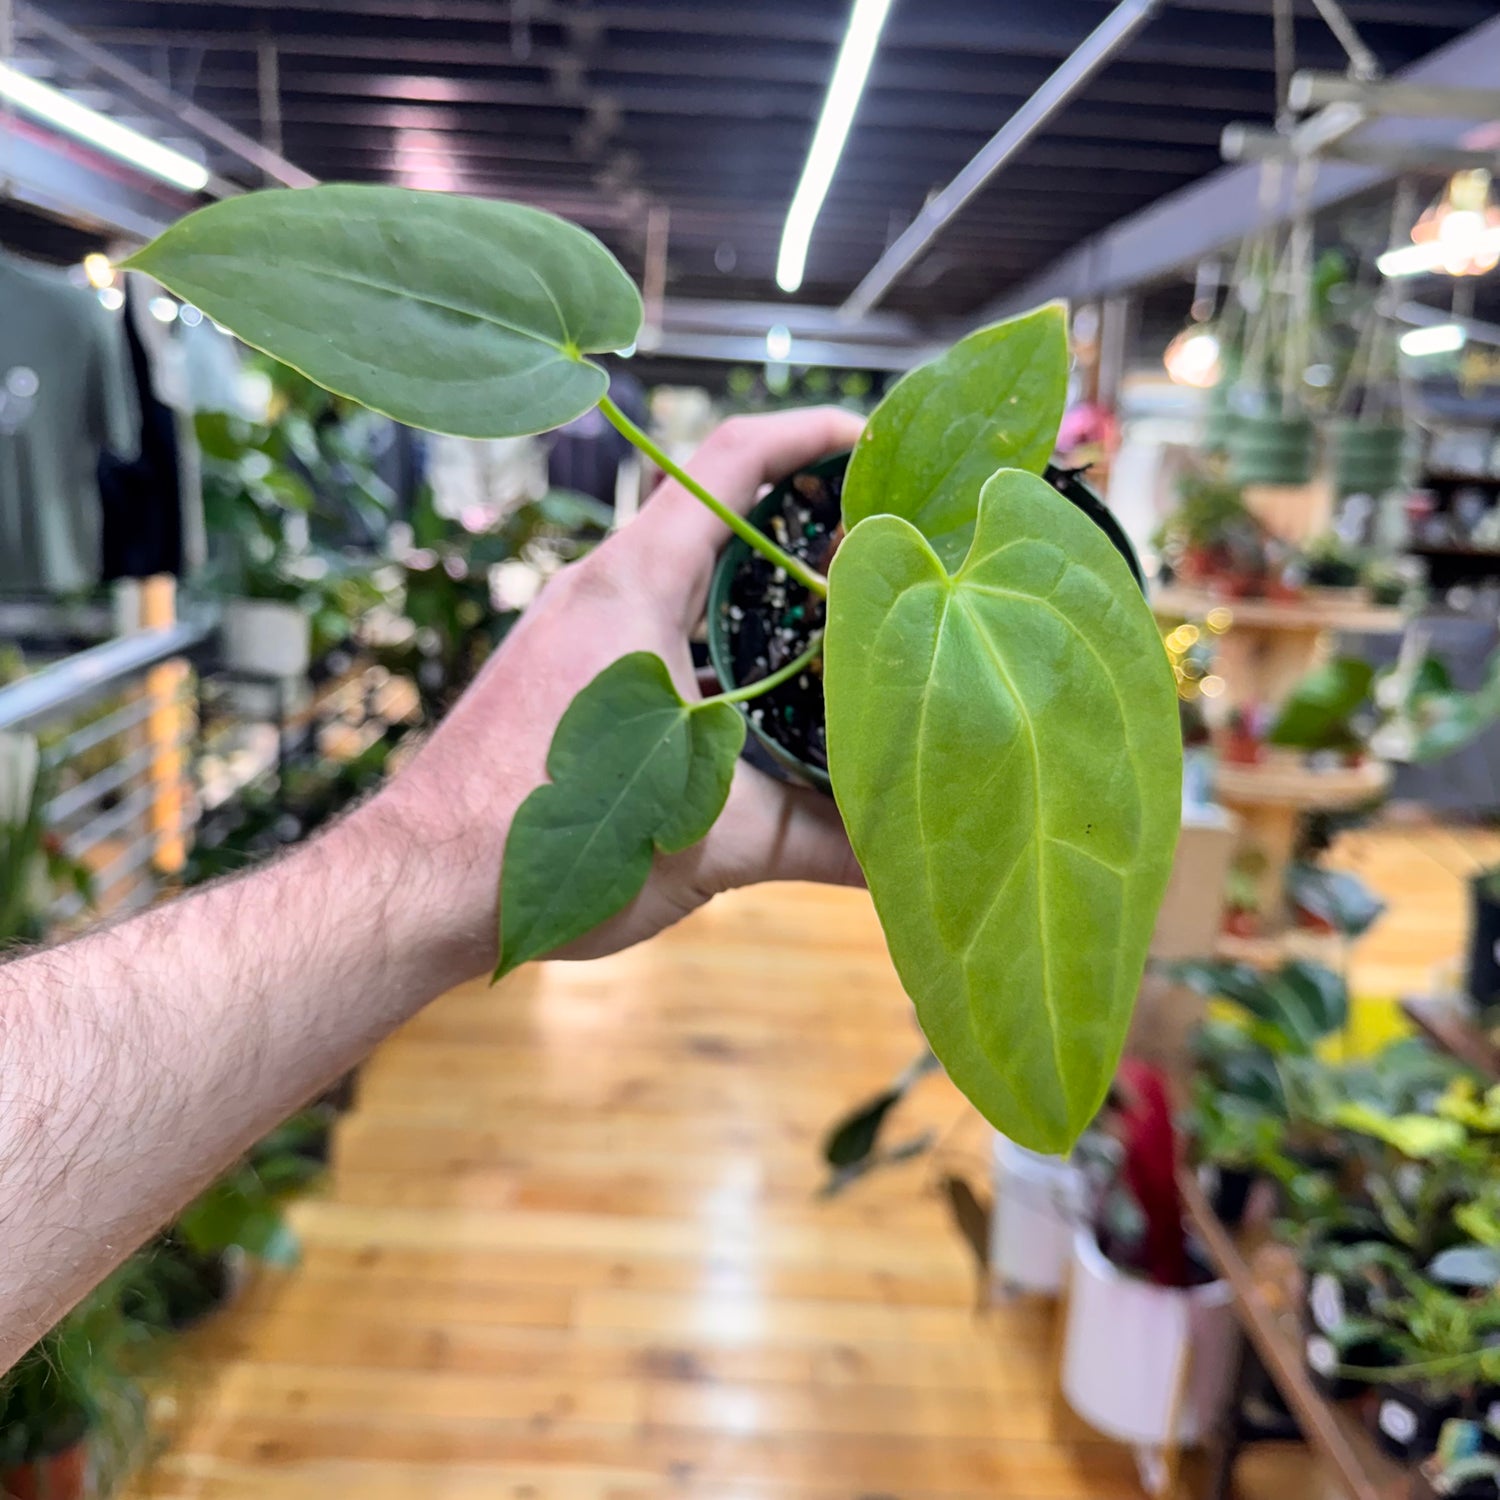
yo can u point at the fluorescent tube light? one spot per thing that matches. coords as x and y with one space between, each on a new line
1440 338
844 89
47 103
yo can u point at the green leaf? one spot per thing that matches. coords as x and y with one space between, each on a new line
634 770
1337 897
1316 716
456 314
854 1137
992 401
1416 1136
1005 751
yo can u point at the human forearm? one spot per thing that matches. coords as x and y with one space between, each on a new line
137 1061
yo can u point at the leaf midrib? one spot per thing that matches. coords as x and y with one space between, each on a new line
406 294
1048 999
607 817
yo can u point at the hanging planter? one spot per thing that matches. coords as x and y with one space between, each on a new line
1271 449
1368 459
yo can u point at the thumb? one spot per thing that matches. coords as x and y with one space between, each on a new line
769 831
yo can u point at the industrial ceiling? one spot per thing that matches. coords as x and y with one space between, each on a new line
605 111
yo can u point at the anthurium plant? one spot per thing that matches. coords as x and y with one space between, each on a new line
1002 724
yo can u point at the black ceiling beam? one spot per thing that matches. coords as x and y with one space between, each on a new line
1458 14
614 77
746 108
1188 39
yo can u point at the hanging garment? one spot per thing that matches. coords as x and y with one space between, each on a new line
141 497
66 393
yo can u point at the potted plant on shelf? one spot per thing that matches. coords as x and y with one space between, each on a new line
969 611
1439 1341
1331 564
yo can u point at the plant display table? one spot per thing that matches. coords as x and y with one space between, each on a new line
1456 1033
1262 649
1265 1281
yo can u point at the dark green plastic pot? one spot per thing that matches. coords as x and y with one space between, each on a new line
737 552
1367 460
1271 450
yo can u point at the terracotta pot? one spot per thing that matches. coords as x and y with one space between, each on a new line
62 1476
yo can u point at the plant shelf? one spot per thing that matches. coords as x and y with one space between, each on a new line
1287 783
1318 610
1269 949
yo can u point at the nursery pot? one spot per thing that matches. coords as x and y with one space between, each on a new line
1038 1199
1483 974
1487 1414
1324 1354
757 623
1124 1344
1407 1420
1367 460
58 1476
1228 1190
1271 450
266 638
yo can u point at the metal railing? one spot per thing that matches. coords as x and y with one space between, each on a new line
114 724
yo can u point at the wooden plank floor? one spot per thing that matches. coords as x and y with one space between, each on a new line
572 1247
1422 871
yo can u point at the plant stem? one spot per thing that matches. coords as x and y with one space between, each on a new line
736 523
776 678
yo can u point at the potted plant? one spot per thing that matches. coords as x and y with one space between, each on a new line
198 1264
1139 1298
1322 714
1438 1340
34 866
954 551
1331 563
1270 446
72 1415
1335 901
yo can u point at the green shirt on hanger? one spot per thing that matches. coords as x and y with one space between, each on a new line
66 392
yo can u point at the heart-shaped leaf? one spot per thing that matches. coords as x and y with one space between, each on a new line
1005 751
634 770
992 401
455 314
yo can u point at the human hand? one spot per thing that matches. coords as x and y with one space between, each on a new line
643 590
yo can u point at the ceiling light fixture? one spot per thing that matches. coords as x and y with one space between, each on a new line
56 108
1438 338
1459 235
847 84
1192 358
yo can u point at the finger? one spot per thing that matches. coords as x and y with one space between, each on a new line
678 537
770 831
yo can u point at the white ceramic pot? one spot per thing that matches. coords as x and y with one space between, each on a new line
1124 1345
266 638
1038 1200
